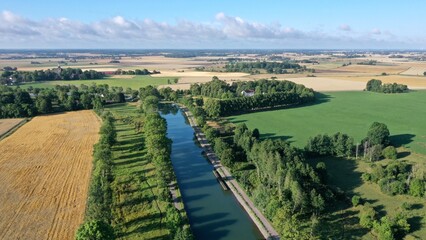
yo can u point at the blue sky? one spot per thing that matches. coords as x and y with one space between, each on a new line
213 24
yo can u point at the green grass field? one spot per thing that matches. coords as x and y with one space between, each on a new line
134 83
347 112
353 113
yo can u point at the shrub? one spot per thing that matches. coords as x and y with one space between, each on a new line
95 230
417 188
406 206
390 152
356 200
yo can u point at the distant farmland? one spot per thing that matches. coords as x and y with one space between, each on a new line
44 174
347 112
135 82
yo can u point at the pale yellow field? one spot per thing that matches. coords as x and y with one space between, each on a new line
7 124
330 75
45 170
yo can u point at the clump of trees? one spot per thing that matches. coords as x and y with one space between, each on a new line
135 72
98 212
339 145
369 62
377 139
375 85
224 99
396 178
269 67
49 75
386 228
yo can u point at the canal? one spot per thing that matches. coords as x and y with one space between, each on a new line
213 213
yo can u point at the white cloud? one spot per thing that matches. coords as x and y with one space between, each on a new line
345 27
118 32
376 31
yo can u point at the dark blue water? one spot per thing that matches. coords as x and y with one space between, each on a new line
213 213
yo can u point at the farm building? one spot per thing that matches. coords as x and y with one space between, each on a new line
247 93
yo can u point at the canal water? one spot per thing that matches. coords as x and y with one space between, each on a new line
213 213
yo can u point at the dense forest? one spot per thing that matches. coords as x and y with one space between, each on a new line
375 85
223 99
14 77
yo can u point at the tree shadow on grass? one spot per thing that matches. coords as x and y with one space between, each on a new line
415 223
341 172
273 136
401 139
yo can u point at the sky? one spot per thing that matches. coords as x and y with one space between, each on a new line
214 24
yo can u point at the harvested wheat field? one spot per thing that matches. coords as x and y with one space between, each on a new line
45 168
7 124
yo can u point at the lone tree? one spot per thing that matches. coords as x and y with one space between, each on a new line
378 134
374 85
95 230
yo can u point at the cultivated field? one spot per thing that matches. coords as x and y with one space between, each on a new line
44 174
7 124
134 82
330 72
347 112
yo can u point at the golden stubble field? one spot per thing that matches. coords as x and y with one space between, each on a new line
45 169
7 124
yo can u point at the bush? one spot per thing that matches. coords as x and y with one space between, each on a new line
95 230
406 206
417 188
367 216
356 200
390 152
366 177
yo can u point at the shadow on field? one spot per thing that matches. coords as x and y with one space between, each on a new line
401 139
415 223
341 172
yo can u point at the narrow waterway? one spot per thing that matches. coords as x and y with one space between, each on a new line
213 213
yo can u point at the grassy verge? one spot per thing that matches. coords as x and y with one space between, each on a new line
137 211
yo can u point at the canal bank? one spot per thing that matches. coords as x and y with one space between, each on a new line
257 217
213 213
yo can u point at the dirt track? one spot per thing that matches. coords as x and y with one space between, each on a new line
45 169
7 124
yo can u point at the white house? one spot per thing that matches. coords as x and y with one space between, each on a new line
247 93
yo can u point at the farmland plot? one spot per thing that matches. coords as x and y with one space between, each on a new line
44 173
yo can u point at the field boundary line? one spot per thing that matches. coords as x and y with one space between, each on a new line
13 129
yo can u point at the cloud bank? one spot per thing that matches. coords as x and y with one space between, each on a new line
223 31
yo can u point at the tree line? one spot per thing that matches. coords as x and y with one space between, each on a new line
269 67
375 85
98 217
223 99
158 148
222 90
8 77
17 102
135 72
278 178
